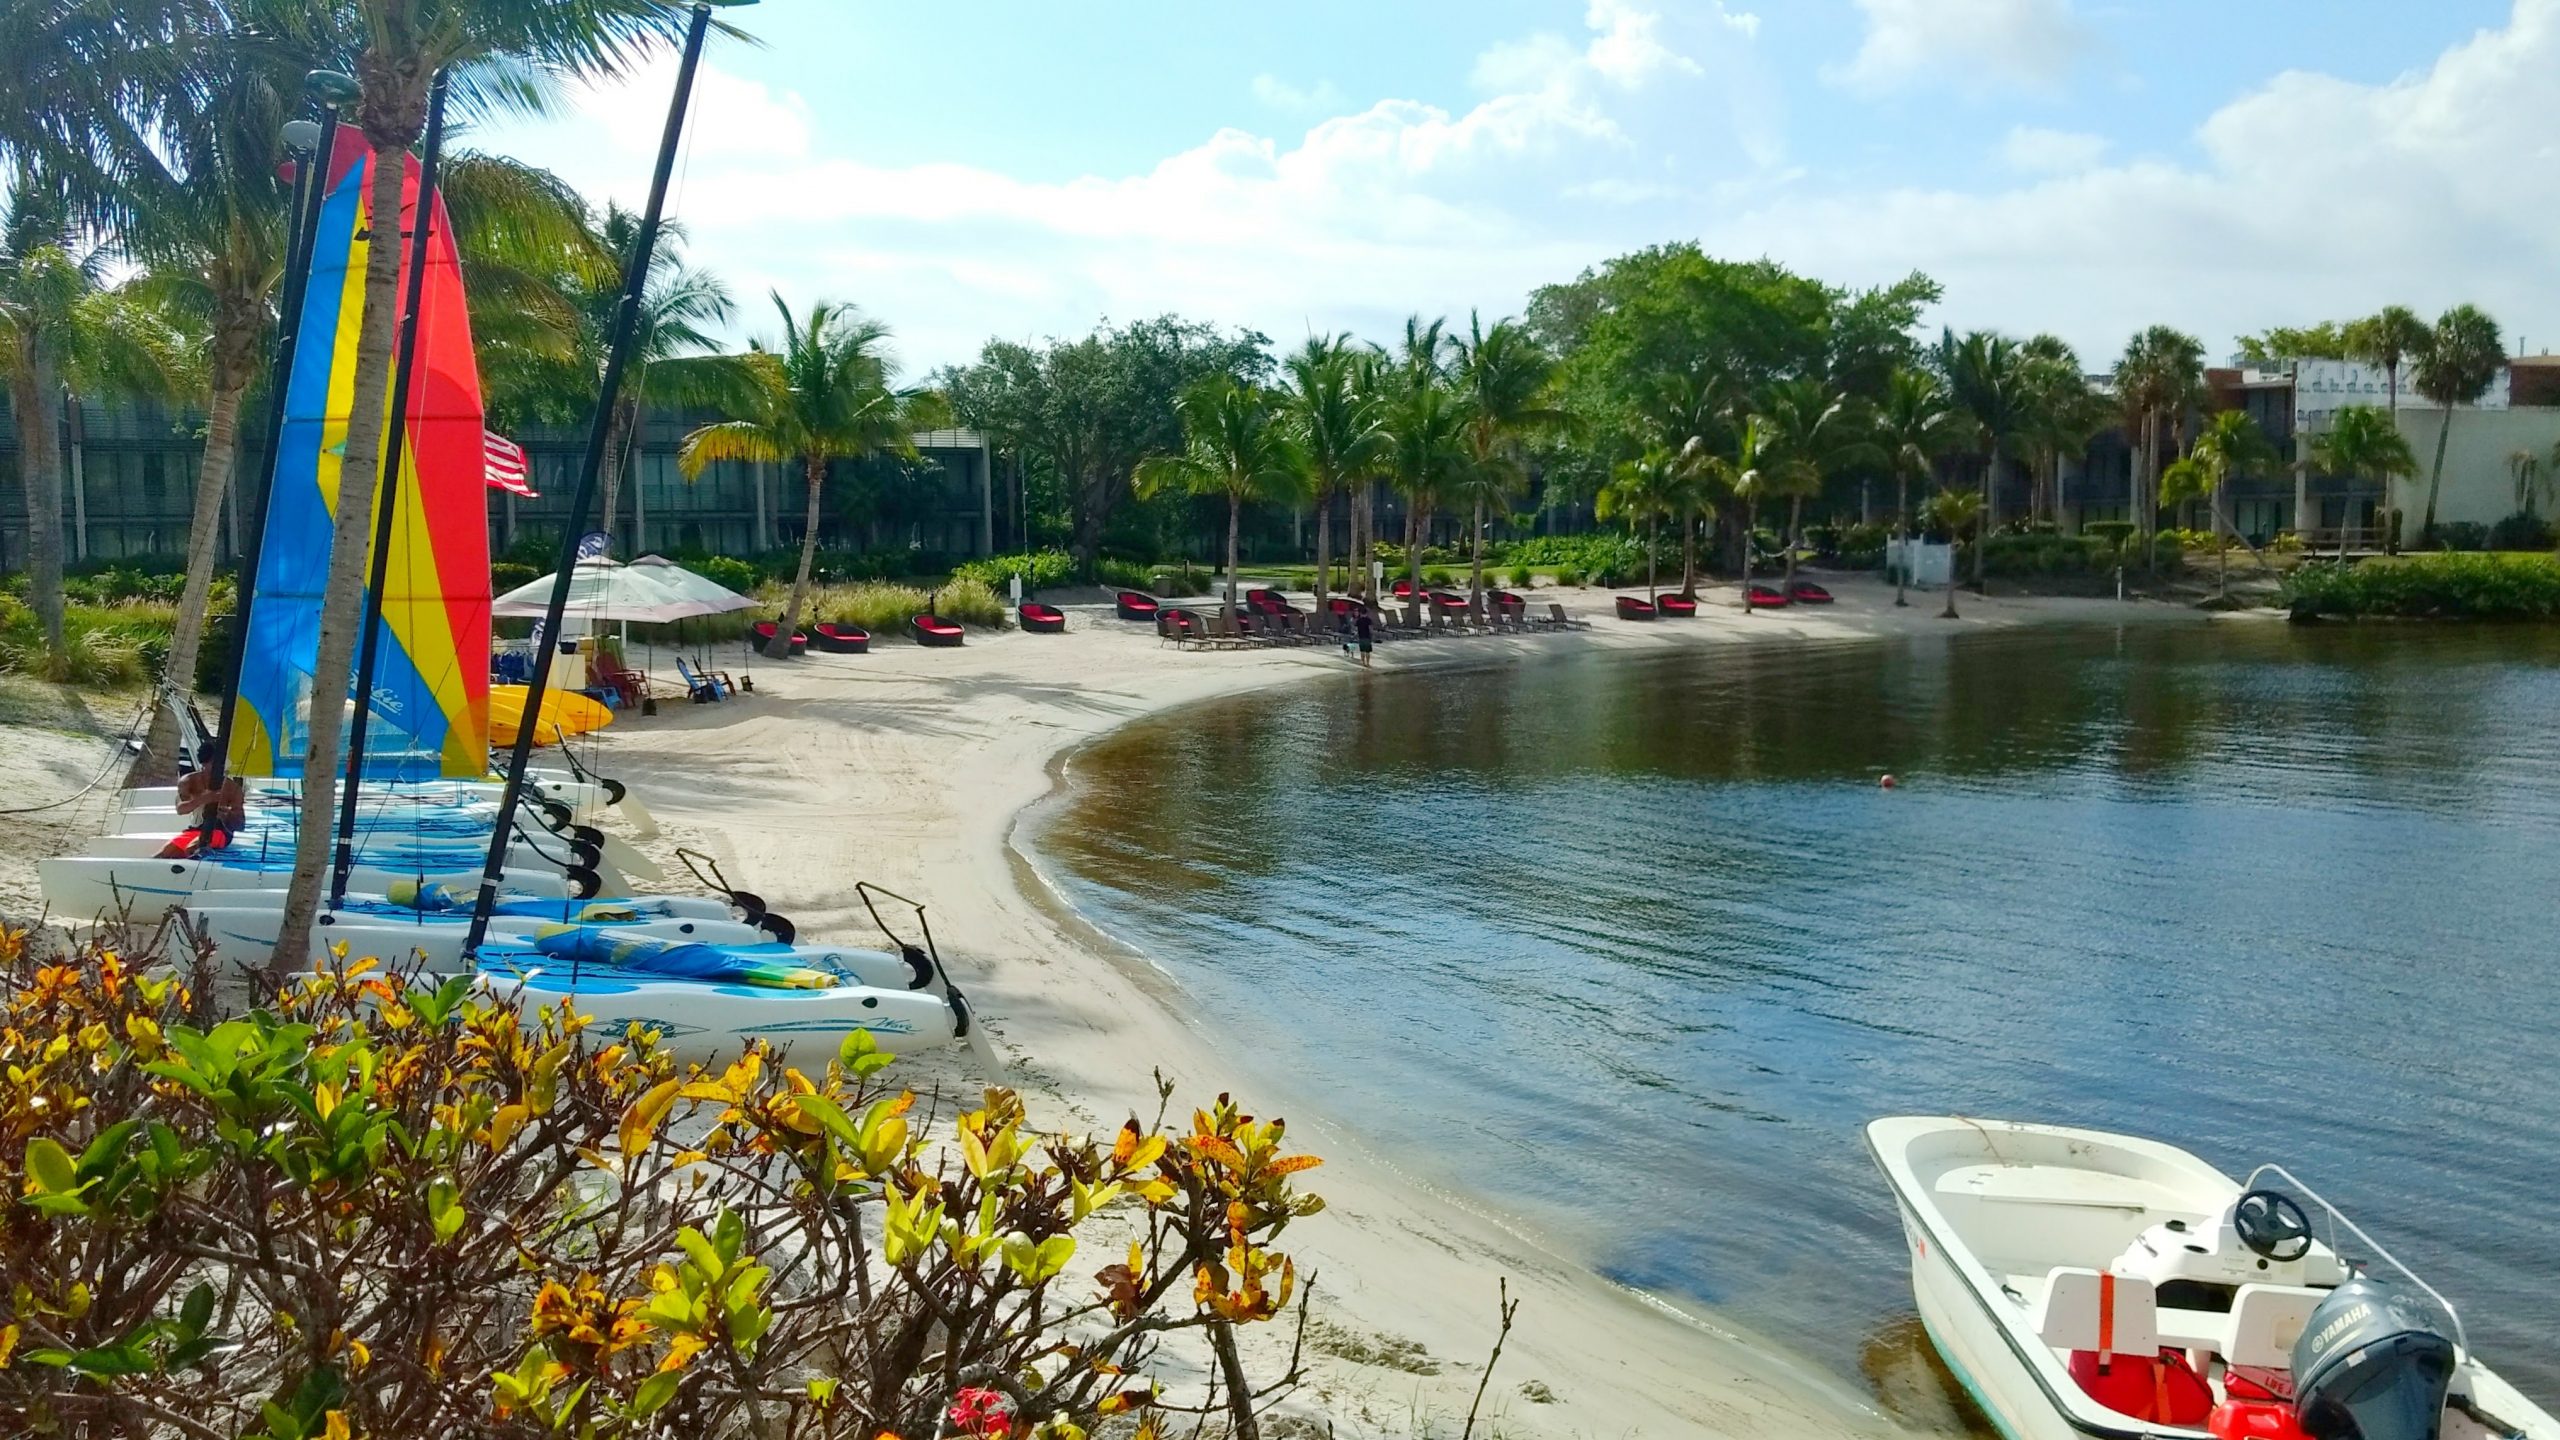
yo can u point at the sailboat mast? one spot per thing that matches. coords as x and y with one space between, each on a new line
387 498
626 316
311 186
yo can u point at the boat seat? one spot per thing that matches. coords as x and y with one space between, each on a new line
2266 1320
2103 1313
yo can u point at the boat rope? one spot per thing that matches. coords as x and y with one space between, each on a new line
115 758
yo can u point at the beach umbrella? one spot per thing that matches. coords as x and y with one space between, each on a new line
564 712
601 589
713 597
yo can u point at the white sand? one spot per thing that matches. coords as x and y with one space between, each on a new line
909 767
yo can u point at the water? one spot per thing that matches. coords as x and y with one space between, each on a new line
1633 944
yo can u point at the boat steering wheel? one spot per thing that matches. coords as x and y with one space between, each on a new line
2272 1225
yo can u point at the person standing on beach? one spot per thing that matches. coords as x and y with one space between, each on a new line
1360 623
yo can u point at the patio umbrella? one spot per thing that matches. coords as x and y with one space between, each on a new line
714 597
602 589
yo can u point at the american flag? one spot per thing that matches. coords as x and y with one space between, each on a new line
505 463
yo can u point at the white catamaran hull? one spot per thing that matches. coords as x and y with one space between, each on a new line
709 1022
79 888
586 799
248 935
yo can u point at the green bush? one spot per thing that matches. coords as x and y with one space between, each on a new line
2462 535
726 571
882 609
2454 586
1437 577
506 575
2521 531
1521 576
1180 579
1040 570
2110 530
1569 575
104 646
971 602
1126 574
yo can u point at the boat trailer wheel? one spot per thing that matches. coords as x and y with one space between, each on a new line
2272 1225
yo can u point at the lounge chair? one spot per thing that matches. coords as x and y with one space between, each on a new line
1805 592
1676 607
702 686
1636 607
763 631
839 639
1765 597
1557 618
1182 627
1042 619
934 630
1139 605
630 686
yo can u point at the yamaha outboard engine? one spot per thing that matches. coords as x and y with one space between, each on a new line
2370 1367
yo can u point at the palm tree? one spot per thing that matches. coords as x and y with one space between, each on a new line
1988 383
2386 338
2362 440
500 52
1426 448
2160 376
2229 444
1237 446
1691 412
1502 376
62 329
682 311
2063 415
2462 356
1807 432
824 394
1913 427
1339 436
1643 490
1953 510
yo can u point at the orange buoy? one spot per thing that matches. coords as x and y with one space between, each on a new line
1888 782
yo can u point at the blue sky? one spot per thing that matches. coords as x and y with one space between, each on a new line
979 169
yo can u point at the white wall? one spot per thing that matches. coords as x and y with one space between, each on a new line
2479 484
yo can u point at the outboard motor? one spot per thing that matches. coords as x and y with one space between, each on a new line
2370 1367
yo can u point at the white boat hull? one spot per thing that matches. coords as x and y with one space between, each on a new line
528 855
709 1023
79 889
247 935
585 798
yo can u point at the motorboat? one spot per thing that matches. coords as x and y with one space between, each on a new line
2080 1283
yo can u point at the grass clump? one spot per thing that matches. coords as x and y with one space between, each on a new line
1386 1352
1040 570
105 647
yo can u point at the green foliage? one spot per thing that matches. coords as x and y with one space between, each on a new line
1180 579
727 572
2462 535
1569 575
390 1207
105 647
1436 577
506 575
1520 576
2328 340
2115 531
2523 530
971 602
1125 574
2023 556
1041 570
2456 586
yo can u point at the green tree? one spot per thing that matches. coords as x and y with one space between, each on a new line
64 330
1914 426
2363 441
1503 376
2160 377
1807 432
1988 380
502 52
2229 445
2461 358
2389 337
825 393
1426 449
1339 436
1693 413
1644 491
2328 340
1955 511
2063 415
1237 447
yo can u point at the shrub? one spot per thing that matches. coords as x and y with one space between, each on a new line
884 610
970 602
2521 531
506 575
1041 570
1437 577
104 647
727 571
1180 579
2112 530
2462 535
1521 576
1569 575
390 1208
1126 575
2464 586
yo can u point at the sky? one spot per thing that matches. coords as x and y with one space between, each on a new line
998 168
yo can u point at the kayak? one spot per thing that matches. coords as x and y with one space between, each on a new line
707 1022
82 888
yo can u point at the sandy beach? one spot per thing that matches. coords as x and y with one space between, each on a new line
912 768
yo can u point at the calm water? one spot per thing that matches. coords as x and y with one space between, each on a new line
1634 944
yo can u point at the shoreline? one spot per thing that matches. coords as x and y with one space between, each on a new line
927 770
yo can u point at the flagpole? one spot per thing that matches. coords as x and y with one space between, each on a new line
386 505
635 279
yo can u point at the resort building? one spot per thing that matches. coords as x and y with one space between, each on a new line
129 476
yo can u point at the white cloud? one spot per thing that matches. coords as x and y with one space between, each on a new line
2316 198
2038 151
1973 46
1280 95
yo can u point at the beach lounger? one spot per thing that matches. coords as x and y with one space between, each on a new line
704 685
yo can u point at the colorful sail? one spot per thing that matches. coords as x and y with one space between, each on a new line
430 697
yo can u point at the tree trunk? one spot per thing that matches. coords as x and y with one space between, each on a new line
1689 557
813 467
609 475
1902 530
157 763
2435 478
1795 529
2150 520
1982 521
2221 546
1087 543
342 605
1413 533
1235 513
1324 545
1750 527
34 393
1475 584
1364 495
1652 588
